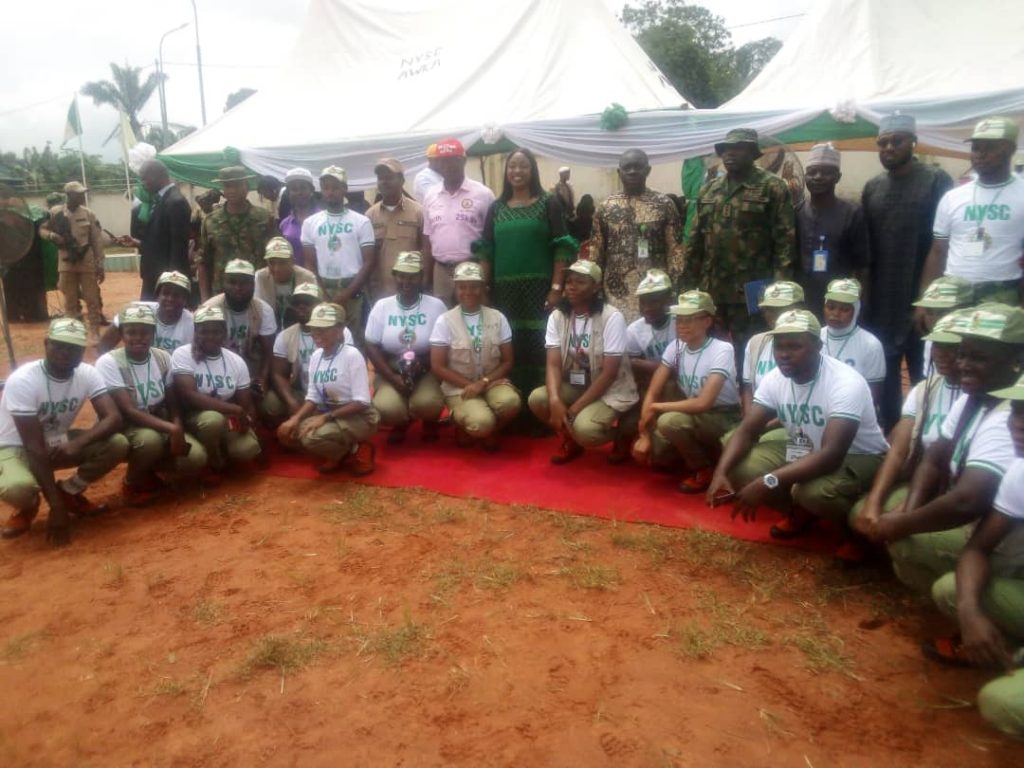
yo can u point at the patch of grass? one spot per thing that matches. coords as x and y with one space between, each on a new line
654 544
586 576
497 575
395 644
19 645
727 623
208 612
695 642
155 581
167 686
359 504
446 514
458 680
823 653
282 653
113 575
448 579
715 549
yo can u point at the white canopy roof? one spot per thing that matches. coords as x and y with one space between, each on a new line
371 78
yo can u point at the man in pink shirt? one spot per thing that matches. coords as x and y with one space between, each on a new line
453 217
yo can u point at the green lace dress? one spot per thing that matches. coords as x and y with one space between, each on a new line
522 245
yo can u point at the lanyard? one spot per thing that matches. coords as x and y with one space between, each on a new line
224 372
52 418
810 392
408 335
974 199
681 373
149 379
478 341
963 445
316 373
846 340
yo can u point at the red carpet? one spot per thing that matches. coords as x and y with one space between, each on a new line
521 473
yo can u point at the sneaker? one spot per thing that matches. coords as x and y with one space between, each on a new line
851 553
77 504
568 451
363 461
946 650
621 451
19 522
697 481
792 527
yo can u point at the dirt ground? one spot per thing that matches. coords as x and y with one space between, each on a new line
289 622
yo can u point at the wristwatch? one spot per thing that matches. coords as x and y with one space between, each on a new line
770 481
485 380
556 287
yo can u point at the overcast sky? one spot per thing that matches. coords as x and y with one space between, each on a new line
51 51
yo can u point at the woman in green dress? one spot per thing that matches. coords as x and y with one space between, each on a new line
527 248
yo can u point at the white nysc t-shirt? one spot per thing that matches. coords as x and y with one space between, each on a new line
693 367
859 349
984 443
985 229
304 352
31 391
149 385
395 328
339 239
167 337
339 379
942 397
645 341
238 324
219 377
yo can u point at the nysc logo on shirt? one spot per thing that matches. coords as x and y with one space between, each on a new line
402 321
989 212
213 381
332 228
798 415
56 409
322 377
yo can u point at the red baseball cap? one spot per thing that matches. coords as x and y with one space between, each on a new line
450 148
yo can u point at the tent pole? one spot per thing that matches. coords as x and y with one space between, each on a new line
483 174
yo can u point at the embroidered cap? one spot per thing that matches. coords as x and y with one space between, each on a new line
996 322
693 303
410 262
845 290
240 267
588 268
468 272
781 294
897 123
335 172
450 148
797 321
948 328
278 248
326 316
68 330
947 293
824 154
311 290
994 129
208 315
1015 392
138 313
655 281
300 174
176 279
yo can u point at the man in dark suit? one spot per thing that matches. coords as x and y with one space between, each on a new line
164 245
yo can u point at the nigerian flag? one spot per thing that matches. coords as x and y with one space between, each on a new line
73 126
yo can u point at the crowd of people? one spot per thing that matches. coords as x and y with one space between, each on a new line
760 360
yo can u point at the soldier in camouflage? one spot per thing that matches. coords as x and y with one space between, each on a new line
236 230
744 231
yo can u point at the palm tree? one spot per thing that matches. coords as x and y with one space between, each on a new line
125 93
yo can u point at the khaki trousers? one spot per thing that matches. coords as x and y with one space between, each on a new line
595 425
210 428
396 410
488 414
336 439
148 453
82 286
696 437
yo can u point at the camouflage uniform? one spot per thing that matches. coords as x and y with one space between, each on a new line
742 232
226 236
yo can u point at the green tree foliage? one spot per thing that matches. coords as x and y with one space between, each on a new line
236 98
126 92
162 139
45 171
694 50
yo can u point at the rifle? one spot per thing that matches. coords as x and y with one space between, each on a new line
62 226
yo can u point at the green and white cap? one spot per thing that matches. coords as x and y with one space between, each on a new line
68 330
781 294
949 328
796 321
409 262
588 268
1015 392
208 315
995 322
845 290
278 248
947 293
240 267
174 278
468 272
136 312
655 281
312 290
693 303
995 128
326 316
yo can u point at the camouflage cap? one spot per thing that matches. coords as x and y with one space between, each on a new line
308 290
693 303
409 262
1015 392
948 328
947 293
68 330
278 248
588 268
176 279
995 322
739 136
845 290
782 294
208 315
468 272
326 316
655 281
233 173
796 321
138 313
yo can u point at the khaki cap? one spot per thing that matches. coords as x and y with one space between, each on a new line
75 186
947 293
69 331
693 303
310 290
655 281
335 172
208 315
240 267
588 268
278 248
326 316
948 328
410 262
468 272
1015 392
140 314
781 294
797 321
994 129
176 279
390 164
845 290
995 322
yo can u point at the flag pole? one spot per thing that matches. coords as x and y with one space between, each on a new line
81 150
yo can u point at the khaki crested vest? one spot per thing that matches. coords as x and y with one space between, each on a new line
292 338
461 357
622 394
252 352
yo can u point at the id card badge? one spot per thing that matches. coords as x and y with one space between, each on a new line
578 378
974 248
797 447
643 249
53 440
819 260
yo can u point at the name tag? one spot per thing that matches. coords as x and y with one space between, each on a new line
578 378
974 248
52 441
820 260
643 250
797 447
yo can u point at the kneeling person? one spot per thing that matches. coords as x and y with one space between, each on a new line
336 421
137 377
649 335
833 443
704 369
40 401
